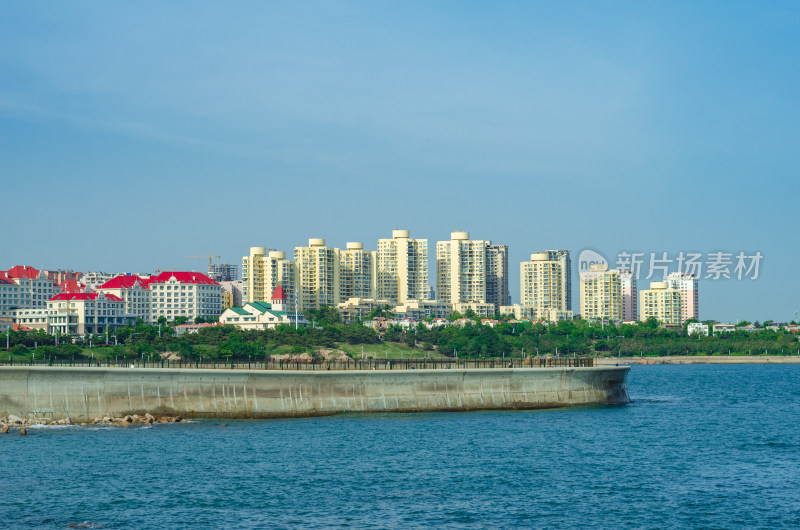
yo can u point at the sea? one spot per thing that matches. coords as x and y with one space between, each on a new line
700 446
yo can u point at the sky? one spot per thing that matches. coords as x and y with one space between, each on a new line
133 134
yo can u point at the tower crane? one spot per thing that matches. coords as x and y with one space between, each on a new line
209 260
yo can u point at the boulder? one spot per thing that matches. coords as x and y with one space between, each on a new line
3 428
67 421
15 419
22 431
149 417
127 419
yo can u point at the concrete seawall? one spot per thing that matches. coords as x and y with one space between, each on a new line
87 393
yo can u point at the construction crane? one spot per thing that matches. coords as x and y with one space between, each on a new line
209 260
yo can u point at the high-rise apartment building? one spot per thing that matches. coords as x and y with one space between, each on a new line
601 293
357 272
630 295
262 271
687 285
317 275
662 303
562 256
542 283
497 275
402 268
223 272
471 271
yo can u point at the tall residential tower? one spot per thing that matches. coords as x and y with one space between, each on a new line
471 271
402 270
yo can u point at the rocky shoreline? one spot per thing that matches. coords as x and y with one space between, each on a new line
12 422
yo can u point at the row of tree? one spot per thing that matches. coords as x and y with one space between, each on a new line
470 340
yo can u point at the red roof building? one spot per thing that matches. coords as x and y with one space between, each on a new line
184 294
22 271
72 286
197 278
86 296
125 282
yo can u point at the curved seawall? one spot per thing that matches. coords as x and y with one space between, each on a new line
87 393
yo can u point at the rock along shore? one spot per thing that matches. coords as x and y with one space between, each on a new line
11 422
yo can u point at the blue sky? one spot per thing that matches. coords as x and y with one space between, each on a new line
135 133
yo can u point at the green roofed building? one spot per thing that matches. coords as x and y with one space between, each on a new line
263 315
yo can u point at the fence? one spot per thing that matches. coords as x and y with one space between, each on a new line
288 364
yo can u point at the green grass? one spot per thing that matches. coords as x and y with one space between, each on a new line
388 350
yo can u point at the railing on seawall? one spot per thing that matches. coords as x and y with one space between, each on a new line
311 364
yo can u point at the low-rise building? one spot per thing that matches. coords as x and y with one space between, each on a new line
263 315
554 315
724 328
519 311
76 314
423 309
481 309
190 329
697 328
527 312
60 276
355 309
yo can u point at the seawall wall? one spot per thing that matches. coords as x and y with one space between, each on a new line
87 393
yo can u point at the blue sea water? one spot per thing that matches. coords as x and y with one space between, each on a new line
701 446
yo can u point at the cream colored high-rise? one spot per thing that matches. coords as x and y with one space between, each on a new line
471 271
262 271
662 303
562 256
358 272
542 283
317 275
601 293
402 268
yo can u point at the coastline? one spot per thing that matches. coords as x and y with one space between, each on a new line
700 359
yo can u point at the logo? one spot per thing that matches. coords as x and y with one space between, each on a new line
591 264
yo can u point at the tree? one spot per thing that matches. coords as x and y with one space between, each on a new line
324 316
384 311
180 321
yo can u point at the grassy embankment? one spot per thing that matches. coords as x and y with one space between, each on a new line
389 350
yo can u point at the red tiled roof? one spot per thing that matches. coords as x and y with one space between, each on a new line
278 293
85 296
22 271
125 282
72 286
183 277
5 280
